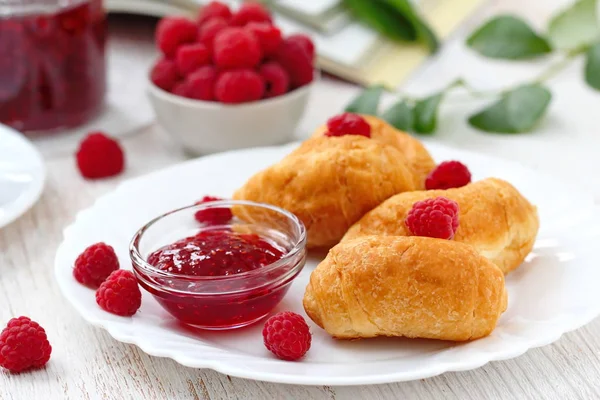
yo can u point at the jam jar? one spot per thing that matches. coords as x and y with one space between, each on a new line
52 63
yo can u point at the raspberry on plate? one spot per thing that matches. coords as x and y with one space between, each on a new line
120 294
172 32
236 48
250 12
190 57
208 31
294 59
239 86
214 9
306 43
269 36
95 264
348 124
277 81
287 335
213 216
436 218
199 85
447 175
164 74
23 345
100 156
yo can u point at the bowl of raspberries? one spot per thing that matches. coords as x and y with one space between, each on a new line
230 79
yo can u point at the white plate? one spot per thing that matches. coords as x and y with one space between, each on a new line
22 175
554 292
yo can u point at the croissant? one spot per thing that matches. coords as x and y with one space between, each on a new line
329 183
494 218
417 156
415 287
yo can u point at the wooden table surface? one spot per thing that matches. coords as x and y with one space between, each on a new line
88 364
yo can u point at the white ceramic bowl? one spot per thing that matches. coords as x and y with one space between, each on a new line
204 127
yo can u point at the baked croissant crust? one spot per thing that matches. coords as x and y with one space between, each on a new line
329 183
415 287
417 156
494 218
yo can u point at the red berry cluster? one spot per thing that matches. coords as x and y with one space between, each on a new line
230 57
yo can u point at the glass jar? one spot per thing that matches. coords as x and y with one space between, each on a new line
52 63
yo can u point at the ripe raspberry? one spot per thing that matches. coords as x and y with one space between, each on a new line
199 85
120 294
23 345
164 74
100 156
436 218
287 336
213 216
239 86
276 79
250 12
172 32
95 264
191 56
269 36
306 43
208 31
236 48
294 59
214 9
348 124
447 175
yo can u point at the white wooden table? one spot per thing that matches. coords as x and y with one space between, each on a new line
88 364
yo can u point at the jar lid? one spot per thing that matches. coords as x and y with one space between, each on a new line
9 8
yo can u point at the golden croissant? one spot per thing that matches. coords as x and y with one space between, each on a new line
494 218
415 287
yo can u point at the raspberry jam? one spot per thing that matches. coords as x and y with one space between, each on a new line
52 64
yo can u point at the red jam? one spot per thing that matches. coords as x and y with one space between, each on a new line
52 68
220 303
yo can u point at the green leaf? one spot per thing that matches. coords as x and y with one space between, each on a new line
424 32
576 26
592 67
425 114
366 102
383 18
508 37
400 116
517 111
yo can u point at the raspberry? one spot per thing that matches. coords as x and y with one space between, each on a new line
172 32
164 74
348 124
191 56
23 345
436 218
447 175
276 79
236 48
209 30
294 59
95 264
100 156
306 43
269 36
250 12
120 294
239 86
198 85
213 216
214 9
287 336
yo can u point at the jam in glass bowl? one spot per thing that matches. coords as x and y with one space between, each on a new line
228 271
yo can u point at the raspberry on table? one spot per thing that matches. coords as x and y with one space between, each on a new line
172 32
95 264
348 124
277 81
100 156
436 218
306 43
214 9
23 345
190 57
213 216
236 48
164 74
199 85
447 175
294 59
208 31
239 86
120 294
287 335
269 36
250 12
